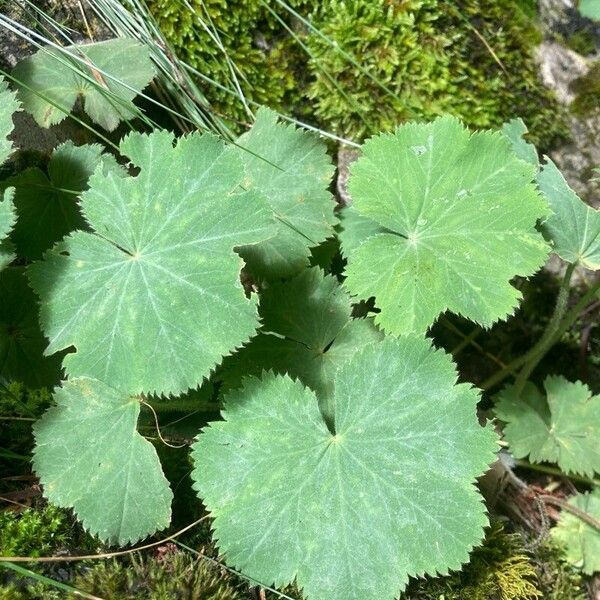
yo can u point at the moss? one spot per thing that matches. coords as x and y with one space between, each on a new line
168 576
501 568
247 34
557 579
582 41
472 58
587 90
34 532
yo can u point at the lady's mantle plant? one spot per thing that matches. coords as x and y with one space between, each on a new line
346 458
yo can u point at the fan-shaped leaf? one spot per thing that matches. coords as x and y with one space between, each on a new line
563 428
574 227
51 81
350 514
307 332
21 341
151 299
90 457
292 169
46 205
580 539
458 213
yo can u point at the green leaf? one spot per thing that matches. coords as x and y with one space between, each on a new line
21 341
355 229
581 540
307 332
8 219
590 9
151 298
574 227
459 213
90 457
514 130
8 106
111 75
351 514
291 168
46 205
563 428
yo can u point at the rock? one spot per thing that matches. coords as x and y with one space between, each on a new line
560 68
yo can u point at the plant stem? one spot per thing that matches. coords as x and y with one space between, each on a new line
547 340
569 318
524 464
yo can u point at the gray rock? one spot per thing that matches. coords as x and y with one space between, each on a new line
559 68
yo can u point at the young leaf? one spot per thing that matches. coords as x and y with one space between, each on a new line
151 298
90 457
580 539
50 81
459 213
563 428
8 106
307 332
46 205
514 130
21 341
574 227
291 168
351 514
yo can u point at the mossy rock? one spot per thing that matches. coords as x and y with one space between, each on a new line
587 90
471 58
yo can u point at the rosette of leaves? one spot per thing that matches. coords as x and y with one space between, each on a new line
563 427
8 106
157 270
106 75
308 332
349 511
292 169
447 221
573 227
580 539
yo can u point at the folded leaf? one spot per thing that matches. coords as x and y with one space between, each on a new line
109 76
90 457
151 297
580 540
563 428
291 168
456 215
349 513
574 227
